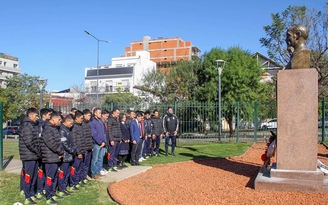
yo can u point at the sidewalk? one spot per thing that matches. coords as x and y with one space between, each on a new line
14 166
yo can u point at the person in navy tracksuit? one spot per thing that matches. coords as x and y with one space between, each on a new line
88 143
29 151
136 139
52 152
69 153
79 143
45 116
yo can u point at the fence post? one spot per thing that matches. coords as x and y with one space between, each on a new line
323 119
175 107
1 137
111 106
47 105
237 131
255 121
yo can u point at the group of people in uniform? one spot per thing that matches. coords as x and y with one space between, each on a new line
61 154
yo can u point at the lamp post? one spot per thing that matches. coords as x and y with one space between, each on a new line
222 63
41 84
98 40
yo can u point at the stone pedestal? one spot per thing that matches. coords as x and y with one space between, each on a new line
297 135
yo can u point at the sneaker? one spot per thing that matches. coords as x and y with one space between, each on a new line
51 201
85 181
147 157
35 199
103 173
22 193
113 170
73 188
29 201
157 155
78 186
173 154
124 165
117 168
62 194
68 192
104 170
141 159
81 184
58 198
39 196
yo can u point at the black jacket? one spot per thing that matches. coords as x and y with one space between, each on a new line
51 146
125 136
170 124
29 146
114 129
78 139
87 135
67 143
148 127
157 126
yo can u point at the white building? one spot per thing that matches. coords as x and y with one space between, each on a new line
123 75
8 67
269 66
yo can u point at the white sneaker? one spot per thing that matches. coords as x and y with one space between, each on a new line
141 159
105 171
102 173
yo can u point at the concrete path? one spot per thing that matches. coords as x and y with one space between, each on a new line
14 166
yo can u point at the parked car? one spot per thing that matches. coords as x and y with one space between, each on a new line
10 130
320 123
271 124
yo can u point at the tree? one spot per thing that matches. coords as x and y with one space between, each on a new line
316 22
22 93
121 98
183 79
155 83
240 80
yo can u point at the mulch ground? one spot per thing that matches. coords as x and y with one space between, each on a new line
211 181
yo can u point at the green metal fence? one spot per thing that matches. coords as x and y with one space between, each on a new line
241 122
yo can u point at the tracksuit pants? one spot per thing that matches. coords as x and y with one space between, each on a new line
63 175
41 177
29 181
75 171
86 165
113 151
51 179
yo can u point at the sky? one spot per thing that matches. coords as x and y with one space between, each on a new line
49 40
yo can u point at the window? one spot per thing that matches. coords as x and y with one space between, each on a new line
4 63
0 62
15 65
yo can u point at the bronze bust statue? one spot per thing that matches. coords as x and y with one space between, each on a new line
295 39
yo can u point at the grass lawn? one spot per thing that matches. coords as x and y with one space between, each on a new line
198 150
96 192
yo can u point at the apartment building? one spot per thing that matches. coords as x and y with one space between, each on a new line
122 75
164 51
9 67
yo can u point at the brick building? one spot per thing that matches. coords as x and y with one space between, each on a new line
164 51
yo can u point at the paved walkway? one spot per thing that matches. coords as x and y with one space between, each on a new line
14 166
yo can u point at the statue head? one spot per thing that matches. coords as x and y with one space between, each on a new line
295 38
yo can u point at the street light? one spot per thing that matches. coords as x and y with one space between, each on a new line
222 63
41 83
98 40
